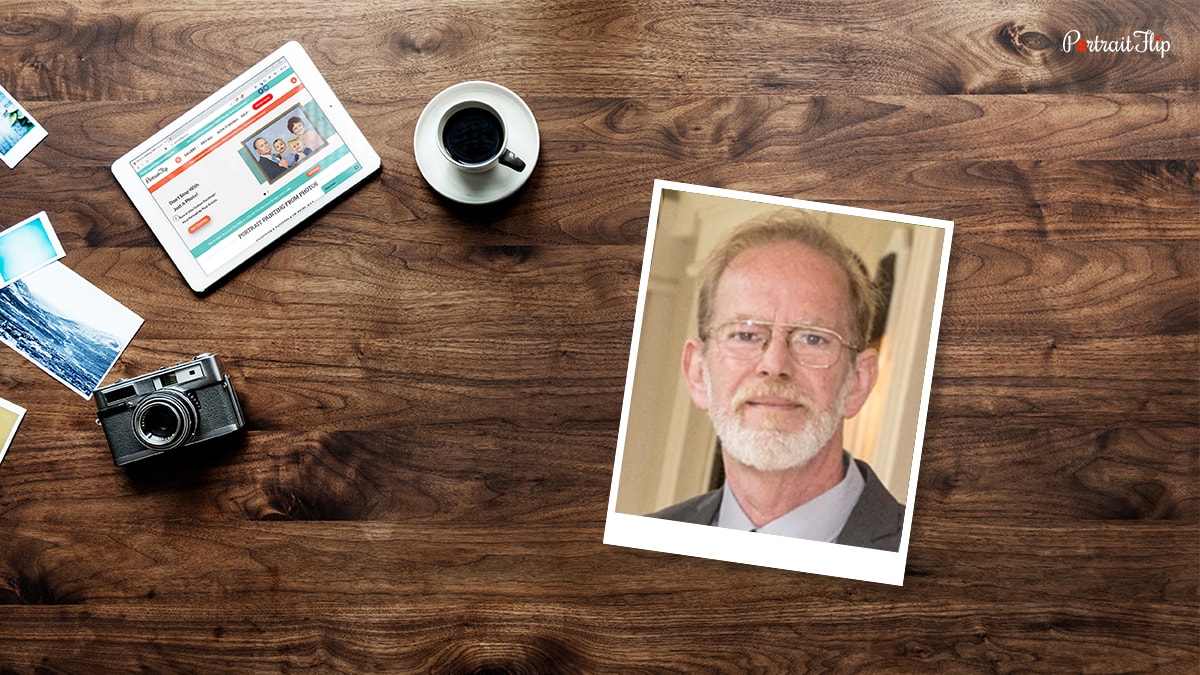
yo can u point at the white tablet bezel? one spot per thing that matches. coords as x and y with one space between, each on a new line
195 276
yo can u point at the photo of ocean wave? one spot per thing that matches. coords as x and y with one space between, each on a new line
66 326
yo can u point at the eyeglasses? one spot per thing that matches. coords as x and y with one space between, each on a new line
811 346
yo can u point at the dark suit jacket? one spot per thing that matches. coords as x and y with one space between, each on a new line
876 521
270 167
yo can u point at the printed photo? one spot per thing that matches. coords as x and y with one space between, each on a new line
10 418
26 247
19 132
778 381
284 144
66 326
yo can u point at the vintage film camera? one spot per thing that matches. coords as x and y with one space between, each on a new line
176 406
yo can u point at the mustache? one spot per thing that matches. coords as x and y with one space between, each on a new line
773 388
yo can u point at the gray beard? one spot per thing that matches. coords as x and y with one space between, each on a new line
768 449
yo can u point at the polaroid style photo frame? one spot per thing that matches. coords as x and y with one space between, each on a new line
11 415
65 325
27 247
19 132
667 450
245 166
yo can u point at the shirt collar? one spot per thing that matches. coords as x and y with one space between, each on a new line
819 519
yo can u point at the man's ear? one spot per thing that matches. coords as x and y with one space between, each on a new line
693 372
866 372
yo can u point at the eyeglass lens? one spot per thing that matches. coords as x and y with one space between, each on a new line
808 345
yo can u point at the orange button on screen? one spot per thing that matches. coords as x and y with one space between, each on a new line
312 171
199 224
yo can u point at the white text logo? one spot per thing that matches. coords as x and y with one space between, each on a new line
1140 41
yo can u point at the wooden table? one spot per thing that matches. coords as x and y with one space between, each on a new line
433 392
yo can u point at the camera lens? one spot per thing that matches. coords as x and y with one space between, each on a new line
164 420
161 422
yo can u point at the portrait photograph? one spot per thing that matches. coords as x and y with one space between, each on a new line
283 144
778 382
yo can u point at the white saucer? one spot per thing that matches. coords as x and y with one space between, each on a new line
489 186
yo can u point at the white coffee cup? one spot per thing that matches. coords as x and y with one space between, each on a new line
473 137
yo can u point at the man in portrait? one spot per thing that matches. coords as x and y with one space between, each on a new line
785 310
266 160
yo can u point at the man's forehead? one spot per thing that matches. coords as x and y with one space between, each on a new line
787 277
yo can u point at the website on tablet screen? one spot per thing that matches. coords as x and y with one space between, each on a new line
246 166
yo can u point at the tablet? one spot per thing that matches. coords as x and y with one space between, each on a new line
246 166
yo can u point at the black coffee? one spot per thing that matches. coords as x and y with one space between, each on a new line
472 136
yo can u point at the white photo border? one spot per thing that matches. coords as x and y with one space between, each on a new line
71 290
6 440
28 141
42 222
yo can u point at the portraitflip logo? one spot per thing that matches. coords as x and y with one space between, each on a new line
1141 41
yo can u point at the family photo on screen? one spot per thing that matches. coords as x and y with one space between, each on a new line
283 144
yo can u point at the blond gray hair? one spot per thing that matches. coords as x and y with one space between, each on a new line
799 226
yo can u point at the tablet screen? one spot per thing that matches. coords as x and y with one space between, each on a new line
246 166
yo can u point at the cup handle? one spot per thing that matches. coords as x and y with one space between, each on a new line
510 159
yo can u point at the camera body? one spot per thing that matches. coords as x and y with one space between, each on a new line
173 407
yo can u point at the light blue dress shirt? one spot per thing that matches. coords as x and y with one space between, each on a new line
819 519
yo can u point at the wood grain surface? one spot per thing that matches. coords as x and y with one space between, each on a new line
433 392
